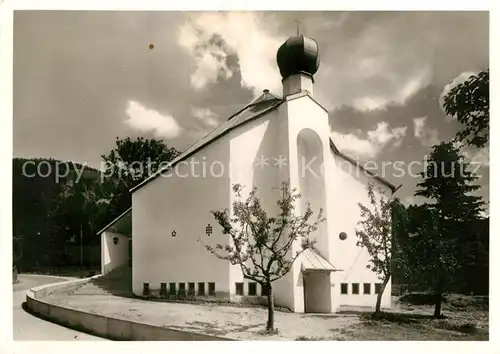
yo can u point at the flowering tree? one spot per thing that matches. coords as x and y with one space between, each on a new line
261 245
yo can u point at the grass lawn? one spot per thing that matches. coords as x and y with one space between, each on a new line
466 318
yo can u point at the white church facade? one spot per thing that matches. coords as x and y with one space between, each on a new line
270 141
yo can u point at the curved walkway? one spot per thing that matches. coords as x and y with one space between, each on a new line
30 328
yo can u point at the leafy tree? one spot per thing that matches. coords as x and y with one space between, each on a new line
80 209
262 245
130 163
434 253
469 102
375 233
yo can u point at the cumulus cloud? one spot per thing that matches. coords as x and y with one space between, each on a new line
447 88
373 143
368 60
208 117
148 120
481 156
427 136
377 99
243 34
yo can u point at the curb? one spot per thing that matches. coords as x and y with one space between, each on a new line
99 325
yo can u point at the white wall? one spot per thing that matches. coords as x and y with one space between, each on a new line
303 115
264 137
182 201
113 256
349 188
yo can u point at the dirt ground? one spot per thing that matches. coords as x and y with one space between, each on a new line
403 322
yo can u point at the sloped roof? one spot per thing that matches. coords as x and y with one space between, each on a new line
312 261
116 220
263 104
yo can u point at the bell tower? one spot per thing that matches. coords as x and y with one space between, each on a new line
309 168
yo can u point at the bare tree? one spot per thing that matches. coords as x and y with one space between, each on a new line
261 245
375 234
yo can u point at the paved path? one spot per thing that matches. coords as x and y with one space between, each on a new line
29 327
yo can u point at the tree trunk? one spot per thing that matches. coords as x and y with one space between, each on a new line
270 309
439 298
381 292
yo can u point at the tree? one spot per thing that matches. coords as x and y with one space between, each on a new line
469 102
439 242
375 233
80 209
262 245
130 163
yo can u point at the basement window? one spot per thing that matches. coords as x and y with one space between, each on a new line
163 289
145 289
378 288
367 288
201 289
171 289
343 288
191 290
182 288
211 289
239 288
252 289
355 288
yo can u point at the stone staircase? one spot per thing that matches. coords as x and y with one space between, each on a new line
117 282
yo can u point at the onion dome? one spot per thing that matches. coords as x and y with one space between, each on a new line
299 54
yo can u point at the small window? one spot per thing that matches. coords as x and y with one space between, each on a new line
264 290
171 288
145 289
367 288
163 288
355 288
211 289
201 289
182 288
378 288
239 288
191 290
252 289
343 288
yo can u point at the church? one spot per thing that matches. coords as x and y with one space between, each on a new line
271 140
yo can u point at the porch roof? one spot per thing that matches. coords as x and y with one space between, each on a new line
313 261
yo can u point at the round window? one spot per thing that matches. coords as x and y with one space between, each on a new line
342 236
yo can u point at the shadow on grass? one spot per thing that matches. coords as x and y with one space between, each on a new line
395 317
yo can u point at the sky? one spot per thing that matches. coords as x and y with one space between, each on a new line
83 78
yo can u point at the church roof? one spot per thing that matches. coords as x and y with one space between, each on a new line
262 105
265 103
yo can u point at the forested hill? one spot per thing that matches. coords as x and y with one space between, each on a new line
37 185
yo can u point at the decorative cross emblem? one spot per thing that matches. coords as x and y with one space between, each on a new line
174 233
208 229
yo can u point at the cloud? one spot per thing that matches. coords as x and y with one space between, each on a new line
243 34
447 88
208 117
426 136
147 120
481 156
378 100
374 142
